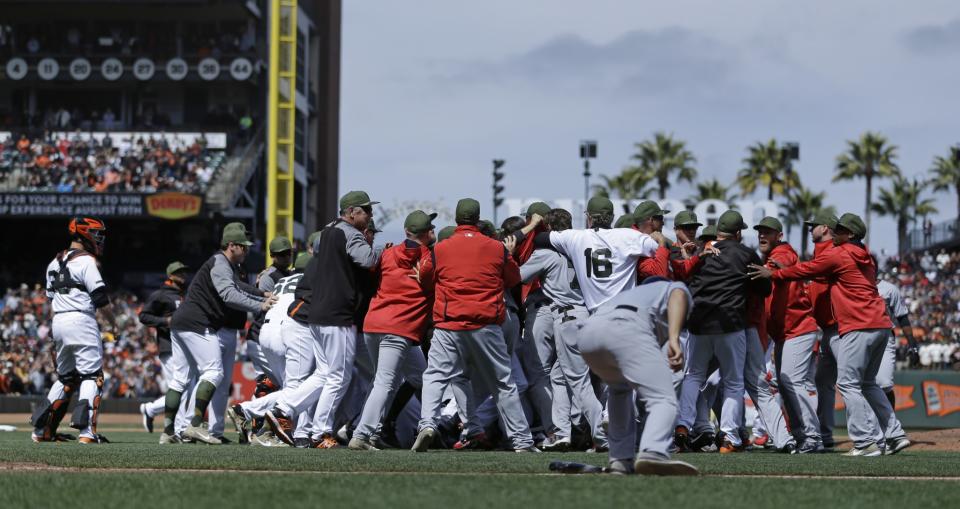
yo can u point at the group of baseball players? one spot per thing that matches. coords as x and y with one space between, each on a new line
521 337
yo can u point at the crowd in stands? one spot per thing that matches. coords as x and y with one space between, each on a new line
930 285
82 164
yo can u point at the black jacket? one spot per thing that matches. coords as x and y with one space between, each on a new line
720 290
160 305
335 275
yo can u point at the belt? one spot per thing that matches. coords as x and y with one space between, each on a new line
546 301
73 311
567 318
627 307
562 309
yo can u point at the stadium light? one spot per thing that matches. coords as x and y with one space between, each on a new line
497 188
588 151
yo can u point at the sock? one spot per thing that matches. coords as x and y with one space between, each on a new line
171 405
205 392
892 397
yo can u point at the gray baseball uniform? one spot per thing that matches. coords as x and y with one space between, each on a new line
797 385
896 309
621 342
559 282
826 380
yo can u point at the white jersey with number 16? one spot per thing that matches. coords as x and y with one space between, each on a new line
605 260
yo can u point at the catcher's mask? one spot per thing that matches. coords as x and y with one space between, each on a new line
92 233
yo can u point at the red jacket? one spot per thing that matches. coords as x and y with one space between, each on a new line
789 311
855 301
471 271
683 268
819 291
657 265
523 253
402 303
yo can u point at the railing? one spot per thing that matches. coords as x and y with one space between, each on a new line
227 184
939 234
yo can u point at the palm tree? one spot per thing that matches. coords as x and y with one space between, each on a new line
712 190
664 156
767 165
869 157
803 204
902 202
631 184
946 174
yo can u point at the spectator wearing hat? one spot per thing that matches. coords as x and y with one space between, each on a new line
863 326
718 326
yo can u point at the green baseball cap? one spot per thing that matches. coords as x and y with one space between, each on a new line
372 227
280 244
235 233
468 211
303 258
356 199
624 221
648 209
769 222
685 218
599 205
176 267
708 233
487 227
854 224
446 232
730 222
822 218
419 221
538 207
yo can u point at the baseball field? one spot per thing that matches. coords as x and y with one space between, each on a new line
133 471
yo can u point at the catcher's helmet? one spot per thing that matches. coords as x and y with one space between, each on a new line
92 233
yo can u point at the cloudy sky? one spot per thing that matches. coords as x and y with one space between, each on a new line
433 90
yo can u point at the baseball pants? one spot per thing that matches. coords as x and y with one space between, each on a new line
79 350
731 351
756 385
480 408
258 358
537 355
562 402
870 418
156 407
216 412
389 355
192 350
888 363
481 354
826 380
634 368
566 326
797 386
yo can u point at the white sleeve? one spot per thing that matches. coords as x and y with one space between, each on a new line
641 244
90 276
564 242
49 281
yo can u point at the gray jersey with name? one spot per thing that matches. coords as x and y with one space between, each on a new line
557 277
650 300
895 305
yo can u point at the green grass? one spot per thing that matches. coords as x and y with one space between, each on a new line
399 479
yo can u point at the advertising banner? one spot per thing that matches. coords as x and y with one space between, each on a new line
169 205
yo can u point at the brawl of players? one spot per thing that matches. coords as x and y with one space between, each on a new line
534 336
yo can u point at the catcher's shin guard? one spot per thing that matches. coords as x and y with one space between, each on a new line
86 412
48 414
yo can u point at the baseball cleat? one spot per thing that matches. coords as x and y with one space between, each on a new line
789 448
870 451
99 439
811 448
267 440
201 434
656 466
185 439
681 438
478 441
281 425
895 445
424 440
728 447
620 467
147 419
327 441
531 448
705 442
302 443
343 434
166 439
558 445
358 443
240 422
380 443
